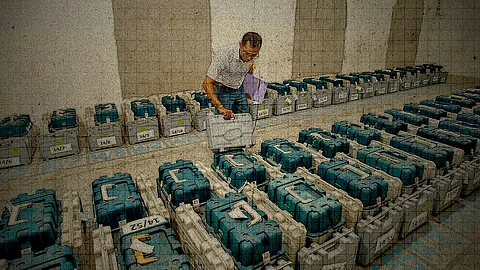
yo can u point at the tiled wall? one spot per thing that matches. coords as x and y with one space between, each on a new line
163 46
405 29
318 46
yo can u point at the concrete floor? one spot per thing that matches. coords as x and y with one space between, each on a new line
449 241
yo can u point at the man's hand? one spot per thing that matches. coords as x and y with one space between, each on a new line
248 96
228 114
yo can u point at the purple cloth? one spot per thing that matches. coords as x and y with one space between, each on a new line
255 87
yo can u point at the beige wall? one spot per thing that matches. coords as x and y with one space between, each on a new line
319 37
163 46
405 31
451 36
56 54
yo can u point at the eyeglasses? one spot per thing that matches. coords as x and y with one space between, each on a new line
248 55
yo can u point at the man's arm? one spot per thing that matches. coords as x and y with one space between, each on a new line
210 91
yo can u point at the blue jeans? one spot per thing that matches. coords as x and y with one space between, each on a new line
232 99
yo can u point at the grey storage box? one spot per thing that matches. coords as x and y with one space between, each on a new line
417 208
102 135
140 129
16 151
339 252
260 110
59 143
448 189
378 233
236 133
173 123
282 104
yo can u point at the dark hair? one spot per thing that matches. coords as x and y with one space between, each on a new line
253 38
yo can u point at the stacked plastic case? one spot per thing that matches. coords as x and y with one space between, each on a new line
141 120
283 99
382 122
409 118
53 257
456 100
353 85
425 111
116 200
378 233
339 252
16 140
59 135
294 233
417 208
468 144
182 182
203 250
340 93
104 127
303 95
321 96
460 127
371 190
246 233
362 135
447 107
323 141
29 223
309 205
174 117
199 106
282 152
367 84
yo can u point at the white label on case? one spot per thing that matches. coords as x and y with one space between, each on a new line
435 79
302 106
61 148
406 85
262 113
8 162
342 95
107 141
143 223
323 99
452 194
418 220
382 90
177 131
335 266
384 240
369 90
287 109
145 135
416 84
425 81
353 96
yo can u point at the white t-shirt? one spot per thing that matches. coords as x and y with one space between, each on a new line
227 68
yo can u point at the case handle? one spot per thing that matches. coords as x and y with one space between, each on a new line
363 175
173 174
291 190
15 212
256 218
104 190
230 159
